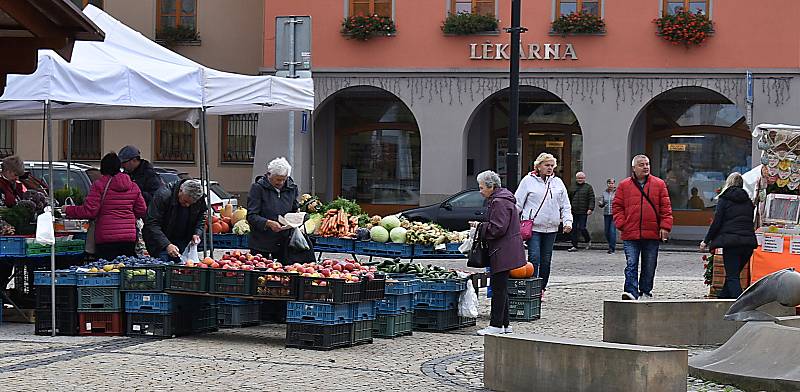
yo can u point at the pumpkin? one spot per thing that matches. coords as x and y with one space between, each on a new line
216 227
524 272
224 227
239 214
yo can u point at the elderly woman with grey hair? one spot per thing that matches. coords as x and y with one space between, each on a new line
272 195
501 232
175 218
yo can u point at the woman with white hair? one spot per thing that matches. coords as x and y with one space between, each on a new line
272 195
543 199
733 231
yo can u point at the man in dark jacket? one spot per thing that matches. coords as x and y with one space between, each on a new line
174 218
141 172
582 200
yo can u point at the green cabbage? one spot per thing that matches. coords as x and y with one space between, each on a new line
379 234
390 222
398 235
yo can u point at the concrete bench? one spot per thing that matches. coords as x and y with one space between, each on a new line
519 362
673 322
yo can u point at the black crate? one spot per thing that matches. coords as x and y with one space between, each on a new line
238 315
66 298
373 288
66 323
361 332
318 337
274 285
437 320
328 290
230 281
182 278
524 310
143 278
204 316
159 325
525 288
273 311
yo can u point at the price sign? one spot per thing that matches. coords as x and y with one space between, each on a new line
794 245
773 243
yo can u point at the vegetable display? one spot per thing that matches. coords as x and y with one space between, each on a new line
338 223
422 271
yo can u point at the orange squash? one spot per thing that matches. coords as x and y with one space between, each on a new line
524 272
216 227
225 227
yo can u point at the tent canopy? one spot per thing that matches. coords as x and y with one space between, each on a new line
141 79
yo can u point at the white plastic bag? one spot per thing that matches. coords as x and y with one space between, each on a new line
468 300
45 233
298 240
294 221
190 253
467 245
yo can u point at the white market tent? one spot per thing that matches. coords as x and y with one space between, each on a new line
128 76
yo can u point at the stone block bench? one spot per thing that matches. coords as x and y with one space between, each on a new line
519 362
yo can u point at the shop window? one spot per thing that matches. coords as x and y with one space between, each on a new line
6 138
693 6
86 140
176 14
83 3
174 141
371 7
566 7
239 137
481 7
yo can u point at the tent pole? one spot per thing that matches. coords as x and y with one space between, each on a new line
49 120
70 128
204 148
201 162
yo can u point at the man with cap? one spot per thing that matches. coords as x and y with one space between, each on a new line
141 172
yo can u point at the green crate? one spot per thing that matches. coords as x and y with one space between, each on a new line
65 246
361 332
143 278
99 299
393 325
524 310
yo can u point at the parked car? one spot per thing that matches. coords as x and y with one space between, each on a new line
454 213
79 174
219 196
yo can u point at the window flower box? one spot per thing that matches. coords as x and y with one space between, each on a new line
181 35
684 27
365 27
578 23
465 23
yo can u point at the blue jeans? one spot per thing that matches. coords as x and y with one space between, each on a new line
540 252
611 232
648 249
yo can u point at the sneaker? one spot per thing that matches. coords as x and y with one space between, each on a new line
490 330
541 296
589 245
508 329
626 296
646 297
573 249
611 252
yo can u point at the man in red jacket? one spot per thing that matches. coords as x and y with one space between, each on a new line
643 213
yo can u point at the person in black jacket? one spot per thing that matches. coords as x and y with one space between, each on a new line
272 195
174 218
141 172
733 231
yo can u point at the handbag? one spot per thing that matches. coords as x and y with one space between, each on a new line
479 253
526 225
91 246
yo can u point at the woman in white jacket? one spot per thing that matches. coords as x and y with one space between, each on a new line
542 198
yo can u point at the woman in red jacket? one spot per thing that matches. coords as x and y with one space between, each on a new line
114 202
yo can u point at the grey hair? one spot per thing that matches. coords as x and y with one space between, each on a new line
544 157
14 165
279 167
489 179
734 179
193 189
636 158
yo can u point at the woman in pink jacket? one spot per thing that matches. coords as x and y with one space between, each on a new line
114 202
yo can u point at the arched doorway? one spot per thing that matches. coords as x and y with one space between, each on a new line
694 137
375 149
546 124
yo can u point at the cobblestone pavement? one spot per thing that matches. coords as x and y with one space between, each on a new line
255 358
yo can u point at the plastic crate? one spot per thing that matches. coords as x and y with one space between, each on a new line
393 325
361 332
438 300
158 325
273 311
143 278
327 290
227 241
318 313
62 246
524 310
149 302
525 288
182 278
66 323
224 281
274 285
238 315
364 310
401 287
430 252
443 284
204 317
384 249
318 337
333 244
66 298
63 278
12 246
99 299
395 304
374 288
439 320
101 323
98 279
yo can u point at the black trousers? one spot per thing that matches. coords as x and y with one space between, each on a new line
734 258
6 271
499 314
110 251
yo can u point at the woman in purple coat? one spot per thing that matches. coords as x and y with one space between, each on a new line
501 231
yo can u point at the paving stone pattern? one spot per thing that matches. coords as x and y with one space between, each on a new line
255 359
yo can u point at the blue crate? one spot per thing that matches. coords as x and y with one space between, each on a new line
364 310
401 287
149 302
235 301
436 300
395 304
226 241
98 279
12 246
333 244
318 313
429 252
443 284
384 249
63 278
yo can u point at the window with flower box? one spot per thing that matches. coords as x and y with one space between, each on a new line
670 7
566 7
371 7
481 7
6 138
174 141
239 138
86 140
176 20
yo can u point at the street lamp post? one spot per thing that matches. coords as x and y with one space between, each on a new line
512 154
